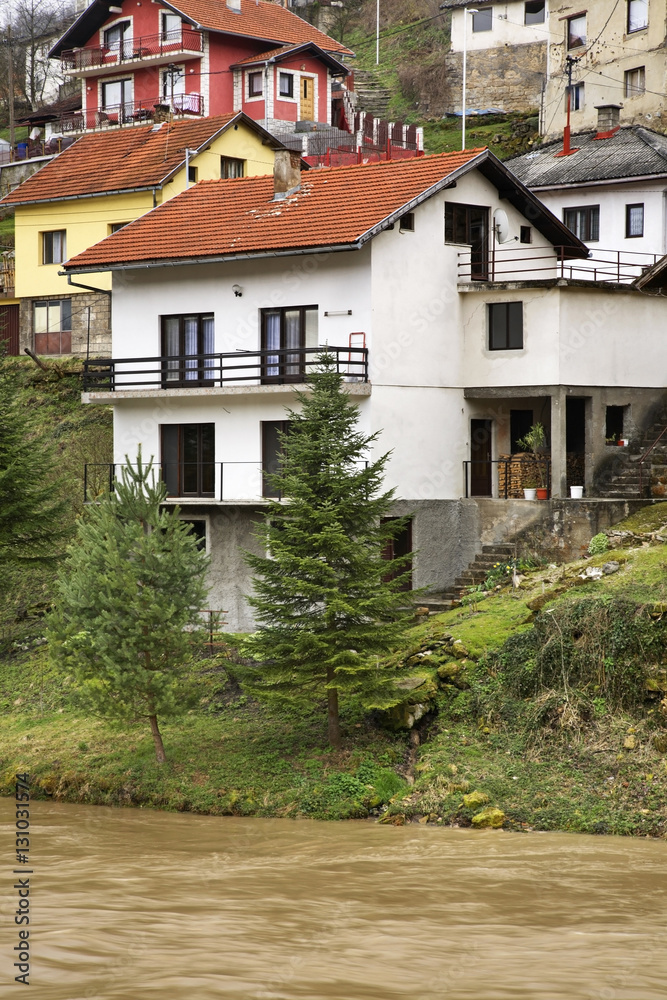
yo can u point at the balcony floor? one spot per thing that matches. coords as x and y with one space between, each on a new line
118 395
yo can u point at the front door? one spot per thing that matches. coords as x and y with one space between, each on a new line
480 458
307 112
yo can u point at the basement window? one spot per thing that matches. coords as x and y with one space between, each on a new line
482 19
534 12
198 528
505 326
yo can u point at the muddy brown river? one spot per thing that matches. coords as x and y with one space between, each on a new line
133 903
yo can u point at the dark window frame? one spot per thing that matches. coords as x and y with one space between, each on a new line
531 16
589 232
270 431
578 97
126 103
167 34
49 255
192 174
461 223
407 223
289 78
252 78
231 167
46 342
115 227
578 40
182 373
184 476
525 234
631 89
628 221
505 326
281 367
122 26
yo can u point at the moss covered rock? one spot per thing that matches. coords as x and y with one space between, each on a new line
475 799
491 817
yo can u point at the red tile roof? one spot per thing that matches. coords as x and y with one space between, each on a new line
266 21
217 218
123 160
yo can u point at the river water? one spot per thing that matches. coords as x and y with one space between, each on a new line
134 903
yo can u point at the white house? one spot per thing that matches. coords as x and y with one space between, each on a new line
442 286
611 189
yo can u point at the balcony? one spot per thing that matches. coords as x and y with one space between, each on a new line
525 263
274 367
131 53
130 113
7 274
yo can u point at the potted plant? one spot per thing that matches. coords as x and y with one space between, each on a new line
533 441
530 488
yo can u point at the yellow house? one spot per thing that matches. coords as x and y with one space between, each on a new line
98 185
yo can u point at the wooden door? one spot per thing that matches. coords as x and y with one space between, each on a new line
9 329
480 458
307 112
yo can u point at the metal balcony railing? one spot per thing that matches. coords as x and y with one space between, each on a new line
173 43
131 113
269 367
522 263
231 482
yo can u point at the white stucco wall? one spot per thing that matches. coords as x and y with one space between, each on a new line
508 28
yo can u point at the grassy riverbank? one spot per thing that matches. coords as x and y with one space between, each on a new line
551 705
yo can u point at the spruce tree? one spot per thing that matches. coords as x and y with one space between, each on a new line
33 511
128 612
327 610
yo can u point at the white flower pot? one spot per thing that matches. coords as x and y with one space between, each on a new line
576 492
530 494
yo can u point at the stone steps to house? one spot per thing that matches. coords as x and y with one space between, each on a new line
626 483
372 97
476 573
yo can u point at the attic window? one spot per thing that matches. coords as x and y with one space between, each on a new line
407 223
534 12
115 38
482 19
526 234
171 27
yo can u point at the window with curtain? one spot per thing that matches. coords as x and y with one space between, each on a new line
285 332
584 222
188 459
634 221
187 345
637 15
52 326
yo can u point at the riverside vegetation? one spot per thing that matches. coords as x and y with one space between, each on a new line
537 706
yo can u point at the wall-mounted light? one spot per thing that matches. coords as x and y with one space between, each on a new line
238 291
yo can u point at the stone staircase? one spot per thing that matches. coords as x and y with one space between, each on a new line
625 482
372 97
476 573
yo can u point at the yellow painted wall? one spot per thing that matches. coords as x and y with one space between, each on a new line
88 220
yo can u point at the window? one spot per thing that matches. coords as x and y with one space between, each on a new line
198 528
526 234
637 15
505 326
584 222
634 221
482 19
534 12
397 548
52 326
231 167
407 223
192 175
286 84
173 87
614 419
117 99
171 27
54 247
116 226
254 84
469 224
188 459
576 31
271 453
577 97
185 341
285 332
116 39
635 82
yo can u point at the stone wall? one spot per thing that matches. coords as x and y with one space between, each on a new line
100 324
507 78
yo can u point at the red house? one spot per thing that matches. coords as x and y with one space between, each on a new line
140 58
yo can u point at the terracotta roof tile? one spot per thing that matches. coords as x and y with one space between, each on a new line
122 160
268 21
217 218
263 56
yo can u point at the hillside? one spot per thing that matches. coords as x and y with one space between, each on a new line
538 706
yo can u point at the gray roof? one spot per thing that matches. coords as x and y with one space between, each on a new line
451 4
633 151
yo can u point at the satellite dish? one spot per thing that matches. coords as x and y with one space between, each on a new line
501 225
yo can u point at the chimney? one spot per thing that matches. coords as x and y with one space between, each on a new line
609 119
286 173
234 5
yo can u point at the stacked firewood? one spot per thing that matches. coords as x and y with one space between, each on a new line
521 471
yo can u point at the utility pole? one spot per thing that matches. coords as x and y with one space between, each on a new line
567 149
10 90
377 36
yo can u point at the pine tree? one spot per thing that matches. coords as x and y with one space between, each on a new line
130 595
33 511
326 610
